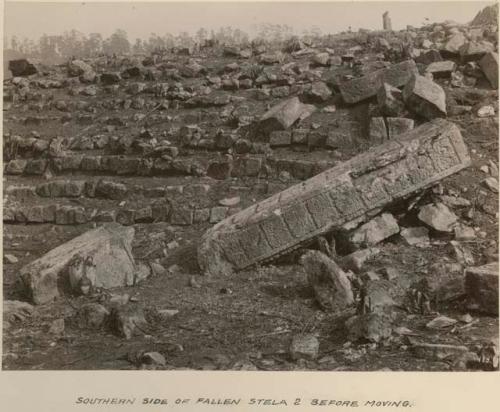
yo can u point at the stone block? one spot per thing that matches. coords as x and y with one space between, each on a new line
110 247
425 98
481 287
489 66
357 90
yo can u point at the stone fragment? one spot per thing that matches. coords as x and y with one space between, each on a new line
489 66
398 125
356 90
110 78
321 59
425 98
230 201
143 215
107 189
437 351
280 138
10 259
218 213
390 100
80 68
356 260
378 130
462 253
304 347
37 214
475 50
70 215
220 170
372 327
201 215
491 183
441 322
61 188
438 217
486 111
299 136
15 311
453 44
271 58
319 92
334 198
481 287
429 57
128 320
36 167
283 115
182 215
390 273
91 316
57 327
153 359
464 232
110 249
453 201
374 231
441 69
331 286
16 167
376 297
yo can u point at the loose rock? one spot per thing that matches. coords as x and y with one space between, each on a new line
438 217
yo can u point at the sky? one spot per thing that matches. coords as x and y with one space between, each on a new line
139 19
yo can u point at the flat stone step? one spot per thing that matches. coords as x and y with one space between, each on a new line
342 194
220 169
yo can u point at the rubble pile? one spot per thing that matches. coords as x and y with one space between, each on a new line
342 192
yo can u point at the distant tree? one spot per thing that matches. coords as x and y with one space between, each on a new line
93 45
71 43
138 47
14 43
117 43
47 48
201 35
184 39
316 32
240 37
155 43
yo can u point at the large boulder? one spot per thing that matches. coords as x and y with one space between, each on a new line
489 66
78 67
475 50
397 75
331 286
22 67
481 287
453 45
109 246
425 98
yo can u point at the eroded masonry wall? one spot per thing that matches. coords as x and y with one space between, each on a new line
335 197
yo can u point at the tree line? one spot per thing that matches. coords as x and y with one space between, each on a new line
76 44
